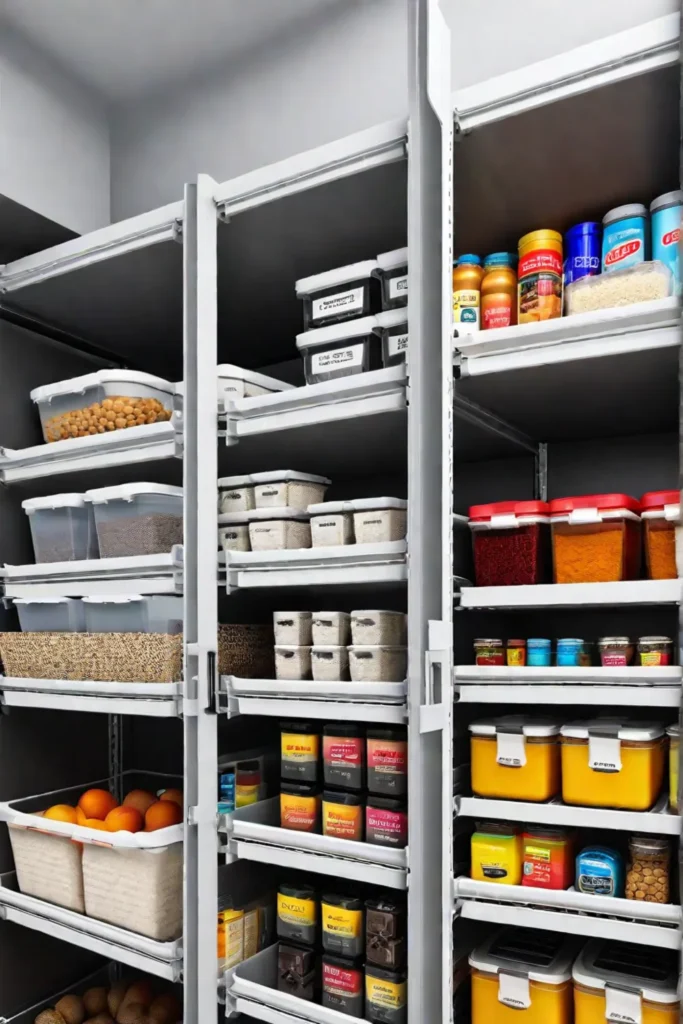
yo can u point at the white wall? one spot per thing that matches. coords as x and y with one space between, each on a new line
54 140
346 73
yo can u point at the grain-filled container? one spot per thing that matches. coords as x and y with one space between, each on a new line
340 294
134 613
661 515
596 538
330 628
292 628
515 758
236 493
286 488
522 976
274 529
621 981
381 663
393 273
341 350
378 626
292 662
233 531
606 763
511 543
674 734
137 519
329 663
50 614
379 520
649 867
101 402
236 382
645 282
331 524
62 528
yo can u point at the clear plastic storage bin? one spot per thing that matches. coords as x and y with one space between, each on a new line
379 520
340 294
393 327
286 488
50 614
274 529
331 524
341 350
393 273
661 515
596 538
236 382
159 613
100 402
644 283
137 519
511 543
62 528
235 494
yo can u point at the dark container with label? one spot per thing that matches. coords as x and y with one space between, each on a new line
341 350
393 273
385 932
296 971
386 822
342 920
387 756
343 815
297 913
300 751
344 756
300 806
342 982
393 326
340 294
386 995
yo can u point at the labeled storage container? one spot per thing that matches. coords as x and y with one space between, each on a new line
343 814
655 650
600 872
341 350
386 995
62 528
674 734
522 975
329 663
387 757
539 276
344 755
649 866
288 489
515 758
331 524
393 273
330 628
496 850
386 821
378 626
547 858
661 515
612 764
343 982
379 520
50 614
134 613
292 628
274 529
340 294
100 402
382 663
596 538
511 543
393 329
235 494
343 924
625 238
236 382
643 283
489 651
621 981
292 662
665 212
137 519
615 651
233 531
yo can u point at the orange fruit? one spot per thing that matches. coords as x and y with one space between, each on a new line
97 803
162 814
124 819
62 812
174 795
94 823
81 817
140 799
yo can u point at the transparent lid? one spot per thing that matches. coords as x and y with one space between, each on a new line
330 278
127 492
54 501
76 385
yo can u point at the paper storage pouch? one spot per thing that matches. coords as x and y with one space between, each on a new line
287 489
331 524
511 543
235 494
233 531
378 627
596 538
292 628
50 614
393 328
292 662
100 402
340 294
137 519
522 975
62 528
329 663
515 758
606 763
620 981
133 613
330 628
378 520
273 529
661 515
236 382
393 273
341 350
378 664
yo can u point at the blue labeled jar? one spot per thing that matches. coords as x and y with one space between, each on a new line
666 232
625 238
583 249
600 872
569 652
538 652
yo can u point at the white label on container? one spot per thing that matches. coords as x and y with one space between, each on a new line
511 749
604 753
672 513
397 344
513 991
623 1007
584 515
503 522
323 362
398 287
341 302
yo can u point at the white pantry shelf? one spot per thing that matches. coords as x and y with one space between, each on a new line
658 821
137 574
571 595
339 701
346 564
151 700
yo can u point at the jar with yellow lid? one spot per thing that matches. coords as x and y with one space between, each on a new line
674 733
620 981
515 758
539 276
497 853
612 764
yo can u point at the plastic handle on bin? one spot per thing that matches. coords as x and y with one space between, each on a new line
578 516
503 522
672 513
211 682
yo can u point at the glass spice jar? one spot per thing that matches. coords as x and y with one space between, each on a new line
655 650
615 651
647 877
516 653
489 652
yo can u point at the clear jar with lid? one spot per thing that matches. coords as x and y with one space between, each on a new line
489 652
615 651
655 650
516 653
647 877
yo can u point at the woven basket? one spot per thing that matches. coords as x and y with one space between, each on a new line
101 657
246 651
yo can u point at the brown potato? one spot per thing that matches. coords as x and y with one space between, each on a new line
139 992
166 1009
95 1001
115 996
49 1017
132 1013
71 1009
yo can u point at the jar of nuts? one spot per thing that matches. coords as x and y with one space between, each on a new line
647 877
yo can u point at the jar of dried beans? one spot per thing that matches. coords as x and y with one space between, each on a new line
596 538
647 877
511 543
661 513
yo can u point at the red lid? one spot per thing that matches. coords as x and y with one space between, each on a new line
509 508
658 499
560 506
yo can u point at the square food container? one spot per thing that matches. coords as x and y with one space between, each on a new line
606 763
643 981
330 628
103 401
329 663
373 627
50 614
511 543
393 273
62 528
379 520
292 628
236 382
644 283
274 529
233 531
381 663
286 488
137 519
515 758
596 538
393 329
340 294
341 350
133 613
236 494
661 516
292 662
331 524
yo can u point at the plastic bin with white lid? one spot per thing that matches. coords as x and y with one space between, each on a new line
236 382
137 519
378 520
236 493
340 294
393 328
378 626
292 661
233 531
75 407
373 663
621 981
62 528
273 529
660 512
331 523
329 663
292 628
286 488
341 350
330 628
393 273
134 613
607 762
50 614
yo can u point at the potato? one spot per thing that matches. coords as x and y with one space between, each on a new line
101 1018
95 1001
132 1013
115 996
165 1009
49 1017
140 992
71 1009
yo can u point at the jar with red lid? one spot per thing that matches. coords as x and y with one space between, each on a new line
661 515
511 542
596 538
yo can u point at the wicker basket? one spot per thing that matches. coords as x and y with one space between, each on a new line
48 867
101 657
246 651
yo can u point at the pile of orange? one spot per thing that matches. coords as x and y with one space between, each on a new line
141 811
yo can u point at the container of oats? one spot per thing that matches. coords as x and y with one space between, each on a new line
286 488
137 519
383 663
233 531
378 626
378 520
273 529
331 523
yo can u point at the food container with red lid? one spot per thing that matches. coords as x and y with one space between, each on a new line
661 515
511 543
596 538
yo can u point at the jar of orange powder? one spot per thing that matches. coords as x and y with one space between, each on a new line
661 514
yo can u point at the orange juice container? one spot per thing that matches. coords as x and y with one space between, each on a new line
623 982
467 276
539 276
499 291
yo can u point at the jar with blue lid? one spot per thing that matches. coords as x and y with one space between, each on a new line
538 652
583 250
569 652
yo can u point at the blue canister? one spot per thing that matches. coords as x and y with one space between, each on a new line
600 872
582 251
625 238
538 652
666 232
569 652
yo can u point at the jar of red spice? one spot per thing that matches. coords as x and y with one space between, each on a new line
511 543
596 538
661 514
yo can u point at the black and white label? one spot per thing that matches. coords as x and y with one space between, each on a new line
342 302
604 753
511 749
398 287
397 344
514 991
623 1007
337 358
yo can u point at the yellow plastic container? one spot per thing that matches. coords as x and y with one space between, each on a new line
515 758
520 976
673 732
612 764
497 853
615 980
